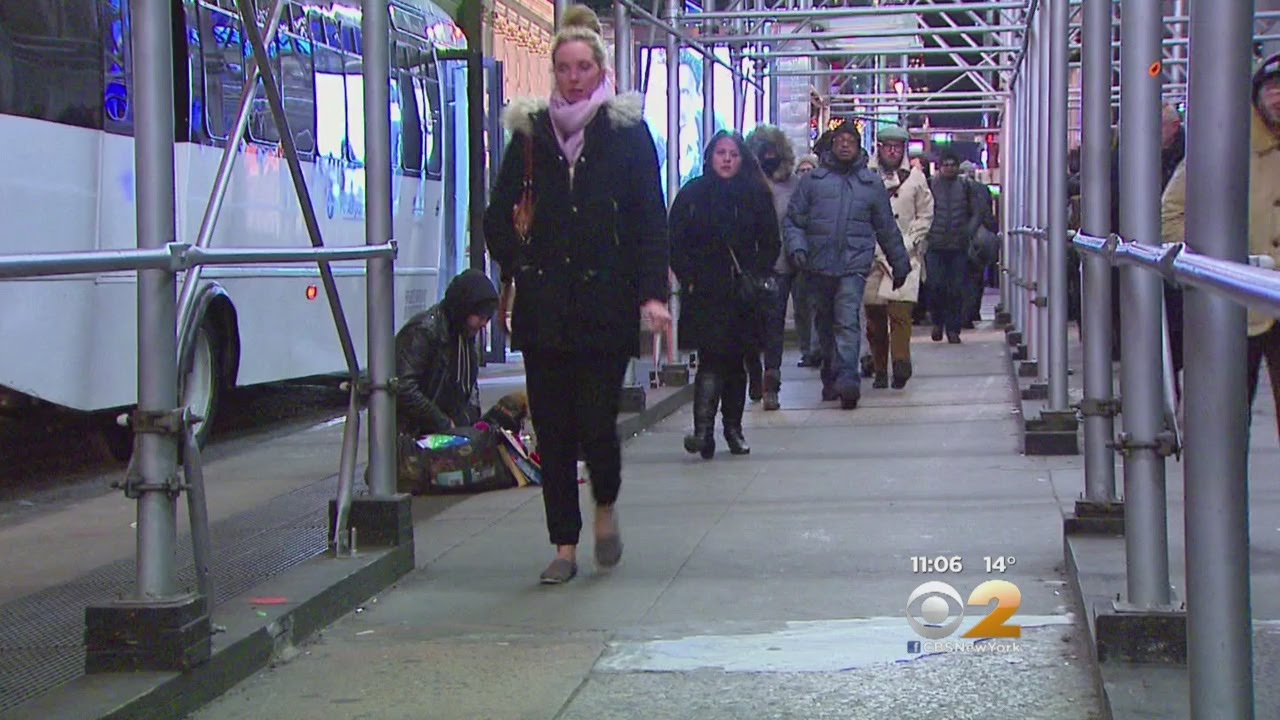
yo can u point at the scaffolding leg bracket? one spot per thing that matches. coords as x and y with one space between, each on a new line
378 521
1141 635
633 400
147 636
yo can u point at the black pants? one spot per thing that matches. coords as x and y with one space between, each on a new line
775 329
1266 345
573 401
946 270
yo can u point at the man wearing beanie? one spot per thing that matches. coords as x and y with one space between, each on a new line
437 361
838 215
1264 215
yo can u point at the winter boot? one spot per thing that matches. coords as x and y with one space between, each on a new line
754 375
901 373
868 366
772 384
706 397
881 381
732 403
849 398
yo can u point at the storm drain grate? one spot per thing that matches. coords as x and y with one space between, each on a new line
42 635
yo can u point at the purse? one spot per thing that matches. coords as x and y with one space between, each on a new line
522 221
754 293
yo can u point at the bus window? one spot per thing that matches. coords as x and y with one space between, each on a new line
298 90
51 61
331 103
332 36
433 122
119 67
411 137
352 68
221 44
262 125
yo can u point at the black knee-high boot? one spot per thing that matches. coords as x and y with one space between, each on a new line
707 386
732 403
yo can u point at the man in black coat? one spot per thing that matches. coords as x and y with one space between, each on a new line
957 214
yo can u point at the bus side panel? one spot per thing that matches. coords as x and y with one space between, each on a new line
49 189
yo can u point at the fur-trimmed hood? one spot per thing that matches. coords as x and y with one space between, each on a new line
623 110
772 135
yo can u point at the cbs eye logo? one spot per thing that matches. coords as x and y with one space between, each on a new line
933 603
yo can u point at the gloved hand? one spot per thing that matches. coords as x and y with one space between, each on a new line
899 281
800 260
471 433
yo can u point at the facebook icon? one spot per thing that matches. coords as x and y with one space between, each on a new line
913 646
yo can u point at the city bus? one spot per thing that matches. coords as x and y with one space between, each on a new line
67 184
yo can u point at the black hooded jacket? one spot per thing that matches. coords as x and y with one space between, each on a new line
437 364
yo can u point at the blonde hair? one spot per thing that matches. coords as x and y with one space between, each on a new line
580 23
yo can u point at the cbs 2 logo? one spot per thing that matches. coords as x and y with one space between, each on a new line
937 615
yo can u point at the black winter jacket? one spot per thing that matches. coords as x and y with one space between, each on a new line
437 364
957 213
597 249
708 217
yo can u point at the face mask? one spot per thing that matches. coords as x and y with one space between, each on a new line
770 165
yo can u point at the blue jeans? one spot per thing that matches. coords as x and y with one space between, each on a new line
946 270
837 302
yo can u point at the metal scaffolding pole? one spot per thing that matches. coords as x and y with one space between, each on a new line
1096 310
739 90
623 48
866 34
1044 41
1057 235
673 103
1141 294
827 13
157 536
760 73
708 88
862 52
375 25
1006 155
1219 617
1032 244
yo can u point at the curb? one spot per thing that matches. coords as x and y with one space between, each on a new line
321 591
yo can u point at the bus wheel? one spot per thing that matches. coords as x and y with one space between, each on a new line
201 379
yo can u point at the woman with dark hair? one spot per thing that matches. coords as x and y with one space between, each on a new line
722 225
576 219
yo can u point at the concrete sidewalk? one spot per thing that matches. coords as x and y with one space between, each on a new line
768 586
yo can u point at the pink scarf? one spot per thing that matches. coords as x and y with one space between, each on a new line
570 119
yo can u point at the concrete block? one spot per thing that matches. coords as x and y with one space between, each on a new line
1028 368
129 636
378 521
633 400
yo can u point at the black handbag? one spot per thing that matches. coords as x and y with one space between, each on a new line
754 293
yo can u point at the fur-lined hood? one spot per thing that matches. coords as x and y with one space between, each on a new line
623 110
773 135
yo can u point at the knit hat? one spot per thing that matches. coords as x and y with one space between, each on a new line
892 133
1266 70
847 127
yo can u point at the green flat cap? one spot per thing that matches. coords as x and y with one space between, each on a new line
892 133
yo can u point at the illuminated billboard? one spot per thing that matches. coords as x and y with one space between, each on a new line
691 141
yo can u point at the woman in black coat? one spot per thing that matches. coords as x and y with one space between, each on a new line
592 264
723 214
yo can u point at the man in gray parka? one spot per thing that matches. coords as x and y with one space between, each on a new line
836 216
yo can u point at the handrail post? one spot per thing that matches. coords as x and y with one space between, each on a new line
380 288
1146 521
1096 306
160 627
1056 239
1219 617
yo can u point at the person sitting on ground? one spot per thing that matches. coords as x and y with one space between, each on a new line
438 364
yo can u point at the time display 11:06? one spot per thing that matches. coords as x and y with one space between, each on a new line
955 563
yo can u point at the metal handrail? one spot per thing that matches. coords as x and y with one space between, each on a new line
1252 284
176 257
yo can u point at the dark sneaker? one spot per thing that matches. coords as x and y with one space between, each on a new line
881 382
849 400
953 338
937 333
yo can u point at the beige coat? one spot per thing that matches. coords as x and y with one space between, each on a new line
913 208
1264 205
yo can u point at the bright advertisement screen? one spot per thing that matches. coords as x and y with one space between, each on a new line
691 141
